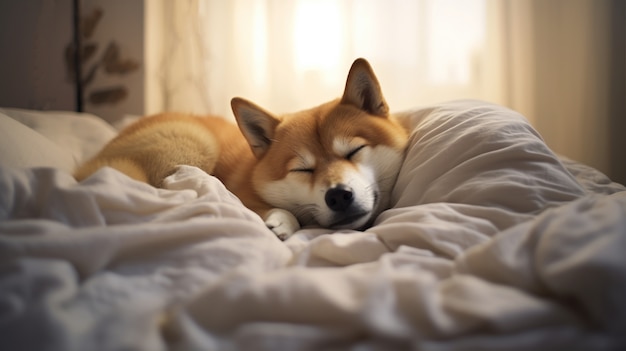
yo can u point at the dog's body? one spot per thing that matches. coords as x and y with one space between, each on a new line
333 165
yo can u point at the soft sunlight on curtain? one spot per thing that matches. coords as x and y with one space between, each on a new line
290 55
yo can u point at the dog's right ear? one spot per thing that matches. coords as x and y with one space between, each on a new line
363 90
256 125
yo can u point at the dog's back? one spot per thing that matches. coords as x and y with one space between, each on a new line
150 149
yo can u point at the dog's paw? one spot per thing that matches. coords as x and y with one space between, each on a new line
283 223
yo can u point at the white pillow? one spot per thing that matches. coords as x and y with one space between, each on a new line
79 135
475 153
21 146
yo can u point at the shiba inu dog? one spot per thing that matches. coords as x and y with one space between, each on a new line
332 165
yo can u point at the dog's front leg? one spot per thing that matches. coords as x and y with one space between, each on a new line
282 222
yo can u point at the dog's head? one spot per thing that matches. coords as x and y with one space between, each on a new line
333 165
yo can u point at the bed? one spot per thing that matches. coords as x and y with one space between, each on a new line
493 242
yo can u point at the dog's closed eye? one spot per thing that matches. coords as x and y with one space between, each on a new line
302 170
354 151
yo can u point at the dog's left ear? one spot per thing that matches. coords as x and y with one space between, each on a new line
363 90
256 125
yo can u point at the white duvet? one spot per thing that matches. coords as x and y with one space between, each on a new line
493 243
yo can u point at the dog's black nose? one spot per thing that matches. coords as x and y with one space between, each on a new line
339 198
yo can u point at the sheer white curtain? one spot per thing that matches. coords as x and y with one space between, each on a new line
546 59
290 55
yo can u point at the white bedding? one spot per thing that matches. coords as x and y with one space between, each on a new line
493 243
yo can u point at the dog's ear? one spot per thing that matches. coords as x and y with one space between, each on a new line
363 90
256 124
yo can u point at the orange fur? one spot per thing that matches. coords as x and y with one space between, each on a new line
150 149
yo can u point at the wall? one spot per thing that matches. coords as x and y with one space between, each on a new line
565 71
122 26
617 109
34 36
572 75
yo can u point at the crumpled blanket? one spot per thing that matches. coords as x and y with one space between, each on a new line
492 243
142 268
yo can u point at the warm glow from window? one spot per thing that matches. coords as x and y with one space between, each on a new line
317 34
455 34
444 37
259 26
